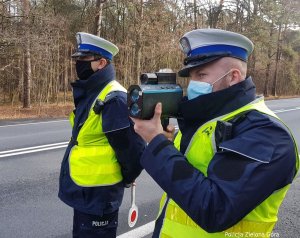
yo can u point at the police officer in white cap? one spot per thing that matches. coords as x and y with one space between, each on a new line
103 154
232 160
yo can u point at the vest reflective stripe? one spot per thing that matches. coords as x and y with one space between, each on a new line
93 161
259 222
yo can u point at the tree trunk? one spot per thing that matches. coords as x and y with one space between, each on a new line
27 57
98 18
214 13
66 75
27 77
266 93
21 80
278 53
138 45
195 15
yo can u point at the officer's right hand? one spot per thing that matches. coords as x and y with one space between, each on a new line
148 129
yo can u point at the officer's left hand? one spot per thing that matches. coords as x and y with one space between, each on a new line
148 129
170 132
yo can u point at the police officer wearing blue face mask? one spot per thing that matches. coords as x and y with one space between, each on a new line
223 176
198 88
103 154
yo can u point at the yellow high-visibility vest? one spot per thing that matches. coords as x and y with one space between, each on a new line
261 220
92 160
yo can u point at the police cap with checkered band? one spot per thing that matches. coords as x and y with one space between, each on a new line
88 44
202 46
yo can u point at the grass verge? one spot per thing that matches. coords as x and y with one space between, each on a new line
8 112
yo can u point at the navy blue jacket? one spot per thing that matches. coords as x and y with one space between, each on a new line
235 184
118 128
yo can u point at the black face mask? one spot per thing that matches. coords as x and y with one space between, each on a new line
84 69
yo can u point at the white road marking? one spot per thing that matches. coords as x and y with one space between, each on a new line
33 149
286 110
64 144
140 231
44 122
32 123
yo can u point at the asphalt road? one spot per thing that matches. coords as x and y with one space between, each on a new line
29 206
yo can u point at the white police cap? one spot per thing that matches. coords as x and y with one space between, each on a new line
88 44
202 46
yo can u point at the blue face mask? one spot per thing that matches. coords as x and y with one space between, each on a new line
197 88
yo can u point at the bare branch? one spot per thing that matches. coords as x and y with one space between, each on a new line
6 66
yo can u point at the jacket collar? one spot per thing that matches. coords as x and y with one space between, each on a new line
209 106
94 84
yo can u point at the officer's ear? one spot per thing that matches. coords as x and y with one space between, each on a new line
102 63
236 77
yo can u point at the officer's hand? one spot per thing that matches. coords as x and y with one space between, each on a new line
148 129
169 133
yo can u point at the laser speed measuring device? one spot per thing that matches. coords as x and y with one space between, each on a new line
154 88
